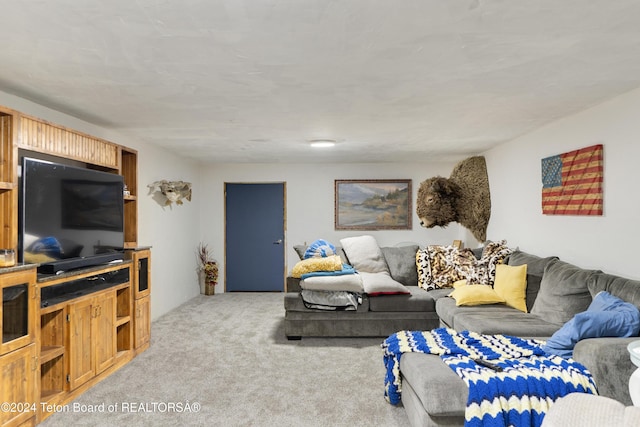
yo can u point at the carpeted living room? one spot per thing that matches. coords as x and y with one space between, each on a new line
225 100
227 361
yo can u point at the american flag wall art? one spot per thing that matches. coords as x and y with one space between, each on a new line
572 182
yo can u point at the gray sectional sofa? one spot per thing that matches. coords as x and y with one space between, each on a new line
432 394
378 316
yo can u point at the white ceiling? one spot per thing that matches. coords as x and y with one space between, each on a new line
252 80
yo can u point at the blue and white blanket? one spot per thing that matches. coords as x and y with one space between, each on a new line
520 394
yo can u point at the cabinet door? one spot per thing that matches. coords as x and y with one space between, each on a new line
142 322
142 271
106 342
143 277
81 340
18 309
18 386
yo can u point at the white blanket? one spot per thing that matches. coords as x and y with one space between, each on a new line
345 282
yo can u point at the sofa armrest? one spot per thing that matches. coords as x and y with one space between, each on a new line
608 361
293 284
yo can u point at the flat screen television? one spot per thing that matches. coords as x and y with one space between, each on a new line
70 217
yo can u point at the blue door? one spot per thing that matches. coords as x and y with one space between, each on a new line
254 237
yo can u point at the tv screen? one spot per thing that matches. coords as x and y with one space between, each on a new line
69 212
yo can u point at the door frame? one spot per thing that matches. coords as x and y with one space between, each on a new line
284 226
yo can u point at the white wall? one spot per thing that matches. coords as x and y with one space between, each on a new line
310 202
172 232
605 242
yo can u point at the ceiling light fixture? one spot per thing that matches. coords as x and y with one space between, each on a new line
322 143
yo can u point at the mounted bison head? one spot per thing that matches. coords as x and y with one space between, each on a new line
463 197
437 202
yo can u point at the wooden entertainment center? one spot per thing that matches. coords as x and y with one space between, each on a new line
63 333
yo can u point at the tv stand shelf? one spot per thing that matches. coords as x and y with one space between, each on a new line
50 352
53 295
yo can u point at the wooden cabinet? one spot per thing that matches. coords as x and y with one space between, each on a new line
85 327
142 321
18 309
84 337
19 371
141 259
53 349
18 351
92 336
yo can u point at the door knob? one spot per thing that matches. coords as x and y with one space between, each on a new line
278 242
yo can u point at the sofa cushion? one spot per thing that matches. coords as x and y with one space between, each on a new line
511 285
625 289
608 361
438 294
401 262
417 300
441 391
535 264
563 292
364 254
447 310
511 322
535 270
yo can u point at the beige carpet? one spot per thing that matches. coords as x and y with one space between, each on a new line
223 360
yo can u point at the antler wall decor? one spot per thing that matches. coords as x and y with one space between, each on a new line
168 192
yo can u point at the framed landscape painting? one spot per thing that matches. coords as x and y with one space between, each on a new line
373 204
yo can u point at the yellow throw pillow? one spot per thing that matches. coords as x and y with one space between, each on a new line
309 265
459 283
511 284
475 295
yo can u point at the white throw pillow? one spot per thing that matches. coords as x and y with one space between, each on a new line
375 284
364 254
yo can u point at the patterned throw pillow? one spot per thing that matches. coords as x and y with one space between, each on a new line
493 254
440 266
467 266
424 271
436 266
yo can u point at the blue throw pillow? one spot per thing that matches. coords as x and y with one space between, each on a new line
320 248
607 316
